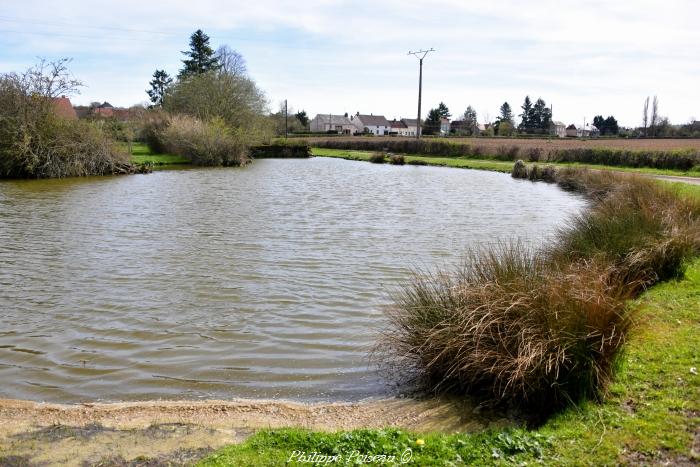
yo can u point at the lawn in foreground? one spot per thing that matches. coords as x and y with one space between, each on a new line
141 154
490 164
651 416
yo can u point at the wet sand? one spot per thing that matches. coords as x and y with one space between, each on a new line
180 432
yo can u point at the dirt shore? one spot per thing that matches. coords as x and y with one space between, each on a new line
180 432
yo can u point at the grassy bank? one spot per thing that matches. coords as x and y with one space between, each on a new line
498 166
455 162
651 416
530 150
141 154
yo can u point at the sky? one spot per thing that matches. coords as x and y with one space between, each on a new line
584 57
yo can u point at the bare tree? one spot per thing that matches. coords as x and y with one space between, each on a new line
654 120
231 62
645 115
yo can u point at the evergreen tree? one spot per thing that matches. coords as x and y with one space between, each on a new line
443 110
526 116
506 113
541 117
471 124
159 86
303 118
202 57
599 122
431 125
611 126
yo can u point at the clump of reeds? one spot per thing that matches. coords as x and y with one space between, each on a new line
397 159
377 158
542 329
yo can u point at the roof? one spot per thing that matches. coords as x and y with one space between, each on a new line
64 109
334 119
558 123
410 121
373 120
571 127
105 105
398 124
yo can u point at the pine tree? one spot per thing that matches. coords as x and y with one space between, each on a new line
431 125
506 113
611 126
526 116
202 57
159 86
541 117
443 110
471 123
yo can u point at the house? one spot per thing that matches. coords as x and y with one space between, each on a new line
462 128
64 109
558 129
399 128
571 131
104 110
411 126
375 124
444 126
590 132
324 123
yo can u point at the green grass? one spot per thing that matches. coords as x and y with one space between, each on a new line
141 154
455 162
490 164
651 415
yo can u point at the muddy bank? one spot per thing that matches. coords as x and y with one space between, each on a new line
178 432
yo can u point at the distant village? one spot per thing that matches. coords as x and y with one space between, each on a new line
379 125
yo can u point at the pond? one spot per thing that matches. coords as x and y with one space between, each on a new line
261 282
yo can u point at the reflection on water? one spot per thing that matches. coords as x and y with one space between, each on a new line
265 281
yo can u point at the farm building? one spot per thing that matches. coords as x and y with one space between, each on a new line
376 124
558 129
64 109
328 122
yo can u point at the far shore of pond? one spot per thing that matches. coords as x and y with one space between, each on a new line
141 154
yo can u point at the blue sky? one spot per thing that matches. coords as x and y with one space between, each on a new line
584 57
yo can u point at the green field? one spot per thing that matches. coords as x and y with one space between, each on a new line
141 154
490 164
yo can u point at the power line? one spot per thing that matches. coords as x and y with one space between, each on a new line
420 55
12 19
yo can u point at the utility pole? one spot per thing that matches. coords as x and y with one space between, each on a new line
286 128
420 55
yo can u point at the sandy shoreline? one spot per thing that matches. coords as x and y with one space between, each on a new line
178 431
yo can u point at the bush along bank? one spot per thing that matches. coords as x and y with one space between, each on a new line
37 142
206 143
281 150
541 330
672 160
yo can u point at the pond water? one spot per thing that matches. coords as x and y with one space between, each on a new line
263 282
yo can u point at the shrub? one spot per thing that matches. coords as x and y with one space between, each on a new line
534 154
36 142
377 158
417 162
204 143
397 159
